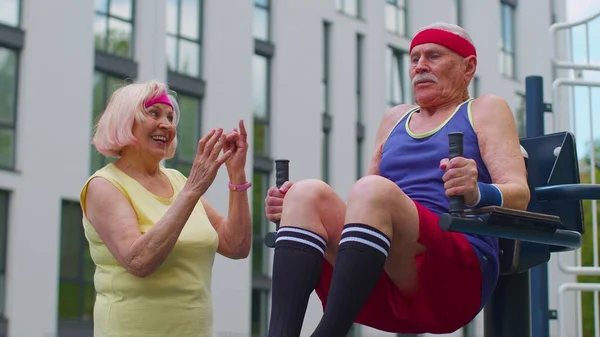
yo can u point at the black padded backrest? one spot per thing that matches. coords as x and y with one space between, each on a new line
553 161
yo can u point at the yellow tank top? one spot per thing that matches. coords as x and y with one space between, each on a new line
176 299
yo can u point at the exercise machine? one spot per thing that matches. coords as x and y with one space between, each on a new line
552 223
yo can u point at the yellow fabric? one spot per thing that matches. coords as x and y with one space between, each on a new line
176 299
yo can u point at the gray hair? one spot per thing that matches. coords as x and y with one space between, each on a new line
449 27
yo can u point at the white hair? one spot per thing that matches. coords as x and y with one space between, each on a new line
449 27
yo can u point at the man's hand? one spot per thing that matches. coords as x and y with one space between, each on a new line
460 178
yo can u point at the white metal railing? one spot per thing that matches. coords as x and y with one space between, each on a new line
576 70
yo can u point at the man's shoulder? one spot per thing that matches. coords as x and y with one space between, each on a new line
490 107
396 112
489 101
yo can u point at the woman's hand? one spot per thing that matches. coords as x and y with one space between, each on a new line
237 143
207 161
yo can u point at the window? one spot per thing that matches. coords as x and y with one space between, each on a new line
184 34
11 43
8 106
327 118
4 197
113 63
104 86
189 132
360 127
264 50
506 57
184 57
261 29
395 16
10 13
349 7
76 293
398 80
113 27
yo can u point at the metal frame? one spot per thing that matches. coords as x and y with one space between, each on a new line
558 63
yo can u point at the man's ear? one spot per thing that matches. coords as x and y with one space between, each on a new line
470 66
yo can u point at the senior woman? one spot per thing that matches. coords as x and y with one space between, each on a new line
153 235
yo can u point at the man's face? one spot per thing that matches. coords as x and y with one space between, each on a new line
438 74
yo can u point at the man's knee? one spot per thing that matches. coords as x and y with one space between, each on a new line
308 192
372 190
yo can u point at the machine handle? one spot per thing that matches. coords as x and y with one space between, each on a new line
455 149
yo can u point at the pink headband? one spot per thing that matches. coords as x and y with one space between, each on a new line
452 41
162 98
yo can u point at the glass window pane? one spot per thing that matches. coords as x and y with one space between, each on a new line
261 24
401 29
119 37
261 134
260 86
261 2
187 129
190 17
100 28
189 58
172 8
8 87
351 7
100 5
7 145
171 45
396 87
9 12
68 300
121 8
339 4
89 297
3 230
71 240
2 294
390 17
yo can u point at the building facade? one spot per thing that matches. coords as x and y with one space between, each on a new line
311 78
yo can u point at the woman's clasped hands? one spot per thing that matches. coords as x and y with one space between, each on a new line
215 149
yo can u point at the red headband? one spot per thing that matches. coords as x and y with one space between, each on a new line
452 41
162 98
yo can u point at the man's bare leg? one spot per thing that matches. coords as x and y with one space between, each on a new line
381 231
312 216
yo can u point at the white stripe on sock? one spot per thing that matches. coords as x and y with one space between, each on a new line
306 242
365 242
368 231
303 231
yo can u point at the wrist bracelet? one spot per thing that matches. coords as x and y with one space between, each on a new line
241 187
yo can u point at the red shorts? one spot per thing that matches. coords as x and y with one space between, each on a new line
449 292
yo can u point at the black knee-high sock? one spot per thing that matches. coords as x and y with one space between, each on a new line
297 266
360 259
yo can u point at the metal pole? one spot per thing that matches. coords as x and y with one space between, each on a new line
507 313
540 312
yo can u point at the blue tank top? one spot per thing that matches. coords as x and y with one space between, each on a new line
412 161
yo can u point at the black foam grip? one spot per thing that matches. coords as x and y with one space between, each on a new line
282 171
455 149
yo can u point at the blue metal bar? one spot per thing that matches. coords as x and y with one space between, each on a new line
568 191
538 285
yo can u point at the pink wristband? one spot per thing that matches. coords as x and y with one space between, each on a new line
241 187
